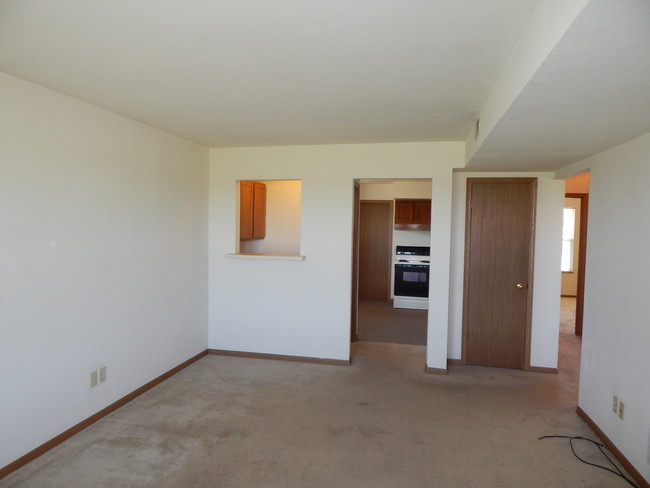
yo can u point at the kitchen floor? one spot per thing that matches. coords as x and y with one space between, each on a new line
380 322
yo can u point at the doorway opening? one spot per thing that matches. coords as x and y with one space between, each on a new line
574 250
376 316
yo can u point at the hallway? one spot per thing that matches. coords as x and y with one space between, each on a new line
380 322
570 344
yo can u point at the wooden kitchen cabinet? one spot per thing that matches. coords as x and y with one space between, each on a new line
412 214
252 210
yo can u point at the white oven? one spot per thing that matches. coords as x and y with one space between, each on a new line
411 277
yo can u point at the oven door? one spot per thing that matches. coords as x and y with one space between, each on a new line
411 280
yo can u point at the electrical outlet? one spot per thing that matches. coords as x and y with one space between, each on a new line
615 405
102 374
621 410
93 379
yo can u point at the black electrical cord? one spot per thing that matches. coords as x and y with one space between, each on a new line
600 446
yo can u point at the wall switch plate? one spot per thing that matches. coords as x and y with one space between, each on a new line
102 374
615 405
621 410
93 379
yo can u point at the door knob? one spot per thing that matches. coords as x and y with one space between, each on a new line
521 286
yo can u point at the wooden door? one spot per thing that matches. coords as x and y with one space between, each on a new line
246 189
252 210
422 212
410 212
259 211
354 309
498 271
375 231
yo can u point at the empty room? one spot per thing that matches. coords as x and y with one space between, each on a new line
195 199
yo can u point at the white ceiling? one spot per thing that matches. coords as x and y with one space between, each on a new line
250 73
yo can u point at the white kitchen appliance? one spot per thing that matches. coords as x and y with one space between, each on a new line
411 277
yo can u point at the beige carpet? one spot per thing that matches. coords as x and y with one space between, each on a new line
567 315
570 344
381 322
382 422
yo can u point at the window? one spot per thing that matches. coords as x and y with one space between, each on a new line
568 235
269 217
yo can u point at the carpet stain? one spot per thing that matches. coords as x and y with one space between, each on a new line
366 430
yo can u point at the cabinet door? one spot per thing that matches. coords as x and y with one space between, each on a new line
259 210
404 212
246 190
422 212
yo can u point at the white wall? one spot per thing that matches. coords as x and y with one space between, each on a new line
103 258
282 220
577 184
547 277
390 189
616 335
302 308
